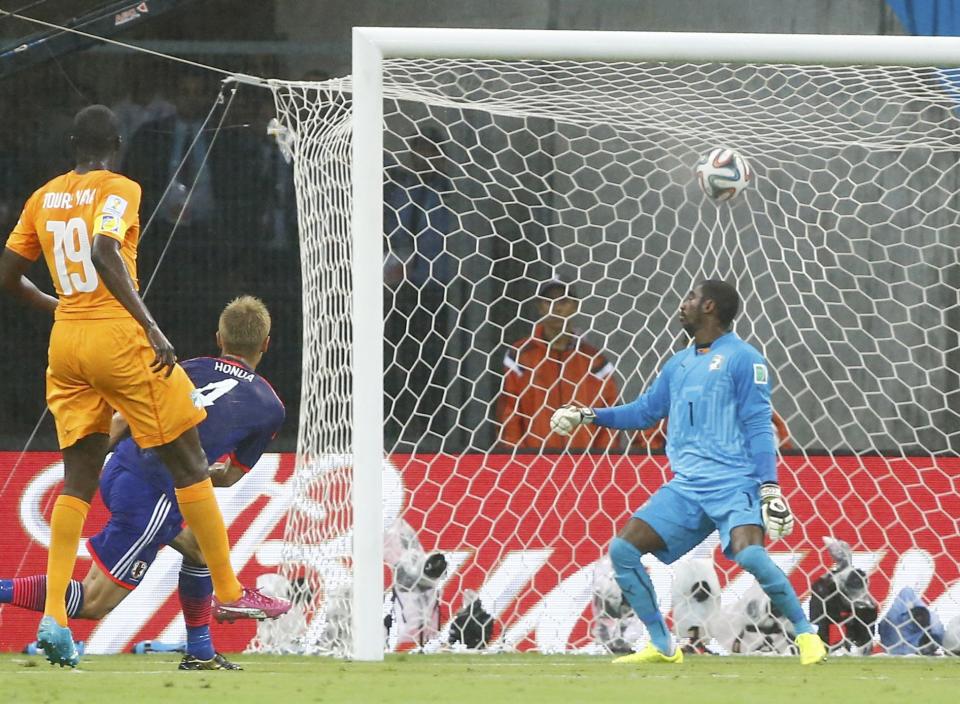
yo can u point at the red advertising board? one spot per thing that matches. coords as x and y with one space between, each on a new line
525 532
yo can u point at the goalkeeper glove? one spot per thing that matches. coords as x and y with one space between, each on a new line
777 517
568 418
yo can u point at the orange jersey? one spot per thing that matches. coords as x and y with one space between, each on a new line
538 379
62 218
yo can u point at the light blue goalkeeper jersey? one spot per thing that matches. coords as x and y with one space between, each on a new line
718 403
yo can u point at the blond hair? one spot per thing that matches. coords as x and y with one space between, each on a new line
244 325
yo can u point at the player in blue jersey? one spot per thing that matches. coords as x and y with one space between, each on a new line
243 415
722 452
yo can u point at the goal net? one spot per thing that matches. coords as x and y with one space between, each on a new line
500 175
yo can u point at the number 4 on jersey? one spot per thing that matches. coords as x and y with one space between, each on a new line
208 395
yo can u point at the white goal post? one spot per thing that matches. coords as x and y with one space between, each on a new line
372 47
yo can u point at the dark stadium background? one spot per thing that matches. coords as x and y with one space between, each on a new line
249 245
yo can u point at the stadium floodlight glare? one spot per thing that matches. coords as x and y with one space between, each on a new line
573 152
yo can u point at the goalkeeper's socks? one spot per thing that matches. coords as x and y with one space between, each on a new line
66 524
195 592
755 560
638 589
31 593
199 507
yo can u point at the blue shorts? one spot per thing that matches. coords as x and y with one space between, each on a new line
143 518
684 517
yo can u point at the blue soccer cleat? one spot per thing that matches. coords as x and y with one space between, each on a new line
34 649
56 641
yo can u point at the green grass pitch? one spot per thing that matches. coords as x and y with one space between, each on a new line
487 679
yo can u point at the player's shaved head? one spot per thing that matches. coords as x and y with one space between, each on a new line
96 132
244 326
724 296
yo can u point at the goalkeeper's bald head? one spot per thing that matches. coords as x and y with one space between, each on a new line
244 328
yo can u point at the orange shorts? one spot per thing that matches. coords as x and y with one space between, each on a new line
98 366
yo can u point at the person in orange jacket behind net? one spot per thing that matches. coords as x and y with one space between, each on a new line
552 367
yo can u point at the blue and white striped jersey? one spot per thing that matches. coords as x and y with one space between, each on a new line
718 403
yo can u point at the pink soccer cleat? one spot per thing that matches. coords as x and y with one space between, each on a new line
251 604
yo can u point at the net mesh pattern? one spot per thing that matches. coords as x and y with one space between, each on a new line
501 176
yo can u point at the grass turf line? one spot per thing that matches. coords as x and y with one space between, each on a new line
529 678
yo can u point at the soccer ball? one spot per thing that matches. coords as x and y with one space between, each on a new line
723 173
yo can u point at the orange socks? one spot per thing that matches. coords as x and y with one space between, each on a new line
199 507
66 524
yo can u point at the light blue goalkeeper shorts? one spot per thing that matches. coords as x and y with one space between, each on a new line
684 517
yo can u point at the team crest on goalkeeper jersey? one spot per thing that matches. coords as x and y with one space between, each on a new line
716 362
759 373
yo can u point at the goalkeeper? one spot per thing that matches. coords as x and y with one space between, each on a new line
722 452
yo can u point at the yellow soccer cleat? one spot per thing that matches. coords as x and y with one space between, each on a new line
812 649
650 655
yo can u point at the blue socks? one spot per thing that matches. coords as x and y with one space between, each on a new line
196 594
31 593
638 590
755 560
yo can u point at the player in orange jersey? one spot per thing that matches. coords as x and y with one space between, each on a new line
107 352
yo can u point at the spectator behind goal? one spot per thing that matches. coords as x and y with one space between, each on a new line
552 367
